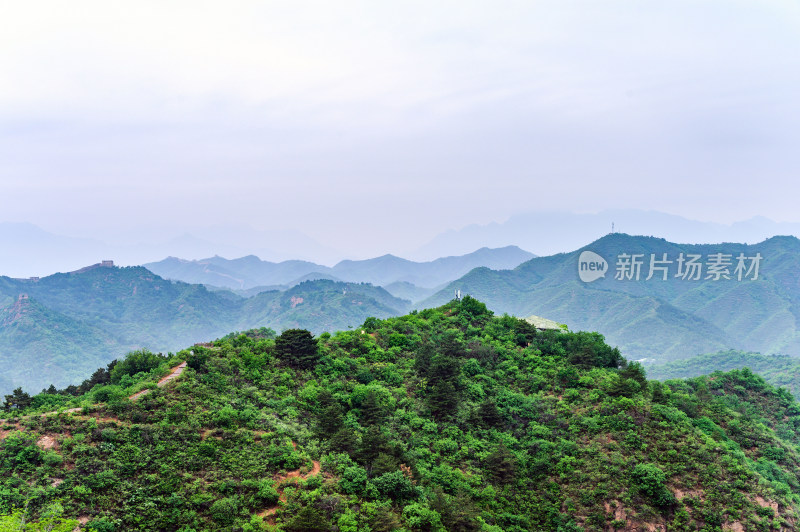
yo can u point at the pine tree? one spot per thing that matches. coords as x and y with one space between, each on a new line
330 420
502 465
444 386
17 400
488 413
371 410
297 348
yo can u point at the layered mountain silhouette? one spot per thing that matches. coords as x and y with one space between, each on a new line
249 272
655 318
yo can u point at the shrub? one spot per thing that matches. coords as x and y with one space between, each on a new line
421 517
396 486
197 359
650 480
136 362
224 511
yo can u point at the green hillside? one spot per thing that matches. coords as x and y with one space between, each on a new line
443 419
77 321
321 305
43 346
409 291
658 319
778 370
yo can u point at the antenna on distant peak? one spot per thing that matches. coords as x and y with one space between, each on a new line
612 228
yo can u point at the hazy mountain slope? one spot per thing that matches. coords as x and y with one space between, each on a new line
388 269
246 293
313 276
778 370
320 305
655 318
198 272
409 291
242 273
39 347
140 307
643 327
378 270
547 233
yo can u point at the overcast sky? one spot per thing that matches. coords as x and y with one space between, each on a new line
373 126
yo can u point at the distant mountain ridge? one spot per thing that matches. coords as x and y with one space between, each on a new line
250 271
547 233
656 319
30 250
58 328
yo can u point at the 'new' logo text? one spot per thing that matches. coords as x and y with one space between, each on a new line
591 266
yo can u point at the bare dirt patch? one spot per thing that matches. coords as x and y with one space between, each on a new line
680 494
296 474
765 503
46 442
617 510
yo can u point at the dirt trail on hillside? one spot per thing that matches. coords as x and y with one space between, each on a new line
289 475
177 370
173 374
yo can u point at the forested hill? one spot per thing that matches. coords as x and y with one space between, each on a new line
668 316
57 329
443 419
778 370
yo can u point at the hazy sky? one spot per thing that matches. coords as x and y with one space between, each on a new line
376 125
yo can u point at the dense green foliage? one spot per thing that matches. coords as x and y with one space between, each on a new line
51 520
778 370
444 419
